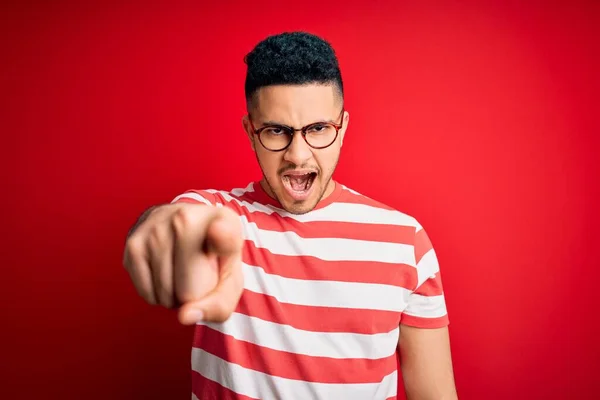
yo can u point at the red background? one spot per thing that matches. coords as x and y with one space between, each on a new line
479 120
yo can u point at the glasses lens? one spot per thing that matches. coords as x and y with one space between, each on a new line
275 137
320 135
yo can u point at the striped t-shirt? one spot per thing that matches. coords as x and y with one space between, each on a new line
324 295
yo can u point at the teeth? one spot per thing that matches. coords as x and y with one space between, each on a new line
308 179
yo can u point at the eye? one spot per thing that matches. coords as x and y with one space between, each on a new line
318 128
274 130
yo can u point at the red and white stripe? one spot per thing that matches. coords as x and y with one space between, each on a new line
324 294
258 385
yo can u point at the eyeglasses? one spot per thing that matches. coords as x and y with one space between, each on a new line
318 135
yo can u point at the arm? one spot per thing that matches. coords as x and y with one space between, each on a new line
426 363
191 197
188 257
424 343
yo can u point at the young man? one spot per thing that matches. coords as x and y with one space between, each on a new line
299 287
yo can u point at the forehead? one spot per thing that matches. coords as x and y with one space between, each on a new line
296 104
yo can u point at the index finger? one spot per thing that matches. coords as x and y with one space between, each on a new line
218 304
194 273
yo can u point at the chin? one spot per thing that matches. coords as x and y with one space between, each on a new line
299 207
298 191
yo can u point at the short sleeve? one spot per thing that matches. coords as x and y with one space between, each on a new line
198 197
426 303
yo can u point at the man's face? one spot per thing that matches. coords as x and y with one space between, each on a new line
299 176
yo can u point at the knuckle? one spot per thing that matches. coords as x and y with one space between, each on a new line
182 220
157 236
135 245
133 250
226 212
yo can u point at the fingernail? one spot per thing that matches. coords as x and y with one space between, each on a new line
195 315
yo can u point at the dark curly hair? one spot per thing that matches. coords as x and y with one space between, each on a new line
294 58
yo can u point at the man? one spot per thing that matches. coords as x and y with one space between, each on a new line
299 287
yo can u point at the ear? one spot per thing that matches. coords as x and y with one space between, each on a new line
249 133
346 121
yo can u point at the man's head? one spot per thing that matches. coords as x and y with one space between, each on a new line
293 82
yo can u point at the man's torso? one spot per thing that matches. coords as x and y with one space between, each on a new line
324 294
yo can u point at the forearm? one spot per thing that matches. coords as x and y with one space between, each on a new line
442 389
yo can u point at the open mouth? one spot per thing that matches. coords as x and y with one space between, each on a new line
298 185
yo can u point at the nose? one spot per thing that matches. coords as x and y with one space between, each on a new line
298 152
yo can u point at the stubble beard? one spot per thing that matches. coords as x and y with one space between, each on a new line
294 210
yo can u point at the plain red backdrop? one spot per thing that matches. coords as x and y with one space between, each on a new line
479 120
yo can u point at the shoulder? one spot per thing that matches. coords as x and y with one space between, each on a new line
385 212
216 197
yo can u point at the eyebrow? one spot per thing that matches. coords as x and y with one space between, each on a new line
273 123
282 124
